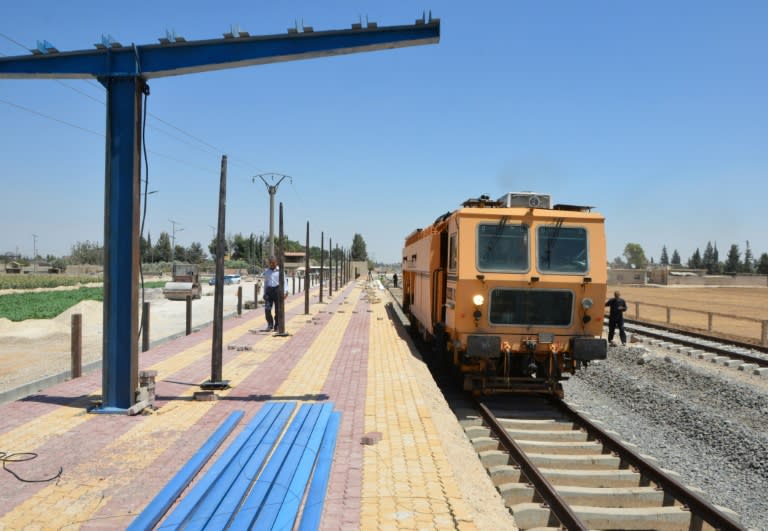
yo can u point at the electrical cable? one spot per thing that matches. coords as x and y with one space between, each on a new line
145 92
20 457
236 160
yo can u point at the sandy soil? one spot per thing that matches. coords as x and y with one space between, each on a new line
37 348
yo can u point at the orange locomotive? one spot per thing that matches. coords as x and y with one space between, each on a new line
510 291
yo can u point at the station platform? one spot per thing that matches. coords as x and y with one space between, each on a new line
66 468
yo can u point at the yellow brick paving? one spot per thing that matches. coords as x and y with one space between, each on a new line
78 495
408 482
309 374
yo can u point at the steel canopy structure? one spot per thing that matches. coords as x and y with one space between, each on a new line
124 71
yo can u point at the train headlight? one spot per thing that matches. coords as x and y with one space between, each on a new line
586 303
478 300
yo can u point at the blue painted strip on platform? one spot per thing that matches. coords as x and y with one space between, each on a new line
289 509
313 506
231 491
253 503
280 492
160 504
181 514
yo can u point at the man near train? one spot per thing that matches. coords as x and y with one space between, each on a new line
616 317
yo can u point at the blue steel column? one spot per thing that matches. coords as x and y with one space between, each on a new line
121 242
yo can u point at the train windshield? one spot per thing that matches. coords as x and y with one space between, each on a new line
526 307
502 247
562 249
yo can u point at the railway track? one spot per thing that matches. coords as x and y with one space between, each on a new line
555 468
721 350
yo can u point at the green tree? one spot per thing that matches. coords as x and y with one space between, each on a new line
675 258
241 249
180 253
145 247
87 253
762 264
664 260
748 265
635 255
162 249
358 248
694 262
195 253
732 264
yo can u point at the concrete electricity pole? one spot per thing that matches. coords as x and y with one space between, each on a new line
272 189
34 254
173 243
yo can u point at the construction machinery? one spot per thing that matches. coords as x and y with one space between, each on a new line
185 282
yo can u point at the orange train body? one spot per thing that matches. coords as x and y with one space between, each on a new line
509 292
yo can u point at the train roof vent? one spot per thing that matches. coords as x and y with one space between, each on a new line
526 199
575 208
481 202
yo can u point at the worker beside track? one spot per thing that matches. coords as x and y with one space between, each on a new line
616 317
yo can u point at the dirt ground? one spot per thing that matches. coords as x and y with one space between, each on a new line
745 306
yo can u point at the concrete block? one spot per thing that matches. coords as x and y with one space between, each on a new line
706 356
720 360
762 372
747 367
732 363
694 352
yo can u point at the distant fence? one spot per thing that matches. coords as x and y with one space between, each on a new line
745 327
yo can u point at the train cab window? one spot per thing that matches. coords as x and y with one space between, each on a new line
526 307
562 249
502 247
452 256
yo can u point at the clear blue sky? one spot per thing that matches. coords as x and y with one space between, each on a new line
654 112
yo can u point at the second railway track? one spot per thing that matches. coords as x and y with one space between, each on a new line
555 468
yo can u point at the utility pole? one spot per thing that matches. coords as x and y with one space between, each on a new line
272 189
173 243
34 253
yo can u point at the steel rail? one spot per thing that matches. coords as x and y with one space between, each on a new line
762 362
695 503
561 509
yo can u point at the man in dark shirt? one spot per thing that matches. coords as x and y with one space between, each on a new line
616 317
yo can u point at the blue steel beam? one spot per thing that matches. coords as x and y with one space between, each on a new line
172 59
124 72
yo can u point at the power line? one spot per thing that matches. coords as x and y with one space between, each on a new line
49 117
216 149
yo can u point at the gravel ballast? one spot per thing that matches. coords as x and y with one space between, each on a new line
705 422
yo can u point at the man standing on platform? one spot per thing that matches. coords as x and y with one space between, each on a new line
271 293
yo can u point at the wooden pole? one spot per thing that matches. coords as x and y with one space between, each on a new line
77 345
145 327
330 267
322 234
307 276
216 381
280 306
189 314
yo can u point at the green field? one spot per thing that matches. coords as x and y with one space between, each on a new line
44 281
49 304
